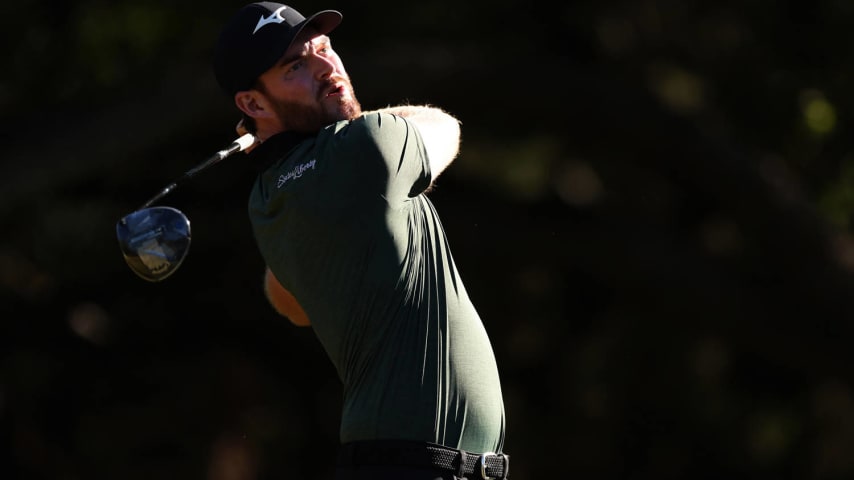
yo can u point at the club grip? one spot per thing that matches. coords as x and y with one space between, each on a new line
245 141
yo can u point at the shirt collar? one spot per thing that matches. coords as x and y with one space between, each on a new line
277 146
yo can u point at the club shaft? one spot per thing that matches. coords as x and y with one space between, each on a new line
238 145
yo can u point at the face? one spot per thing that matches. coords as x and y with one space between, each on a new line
307 89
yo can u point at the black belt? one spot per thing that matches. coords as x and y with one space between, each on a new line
487 466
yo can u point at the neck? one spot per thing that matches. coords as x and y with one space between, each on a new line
263 133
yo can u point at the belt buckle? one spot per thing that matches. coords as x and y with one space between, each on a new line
483 466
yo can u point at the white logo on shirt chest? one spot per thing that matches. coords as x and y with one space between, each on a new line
295 173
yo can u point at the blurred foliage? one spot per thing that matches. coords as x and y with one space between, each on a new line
652 211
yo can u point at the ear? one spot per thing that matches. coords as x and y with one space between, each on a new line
252 103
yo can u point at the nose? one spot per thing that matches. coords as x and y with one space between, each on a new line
325 67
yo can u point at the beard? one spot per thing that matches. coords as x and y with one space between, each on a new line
311 117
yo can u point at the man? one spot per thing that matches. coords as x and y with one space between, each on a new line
356 250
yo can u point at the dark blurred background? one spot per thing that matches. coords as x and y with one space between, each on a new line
651 211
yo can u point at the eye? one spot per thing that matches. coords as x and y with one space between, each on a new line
323 48
295 66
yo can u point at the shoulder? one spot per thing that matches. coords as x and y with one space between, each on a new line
372 128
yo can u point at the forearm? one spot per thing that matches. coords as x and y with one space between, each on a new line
439 130
283 302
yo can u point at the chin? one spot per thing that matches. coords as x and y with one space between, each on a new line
347 110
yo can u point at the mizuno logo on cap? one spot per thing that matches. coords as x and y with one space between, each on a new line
275 17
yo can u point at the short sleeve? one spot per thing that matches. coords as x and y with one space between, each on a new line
384 153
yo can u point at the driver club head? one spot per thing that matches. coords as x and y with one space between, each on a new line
154 241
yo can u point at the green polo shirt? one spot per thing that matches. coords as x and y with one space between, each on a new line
342 221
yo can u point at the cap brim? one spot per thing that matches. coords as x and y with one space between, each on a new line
324 21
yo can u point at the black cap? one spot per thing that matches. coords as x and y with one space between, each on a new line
257 37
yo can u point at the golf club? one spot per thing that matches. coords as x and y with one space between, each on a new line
155 240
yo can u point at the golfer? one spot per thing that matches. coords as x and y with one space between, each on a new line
355 249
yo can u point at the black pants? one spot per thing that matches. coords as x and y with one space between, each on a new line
366 472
